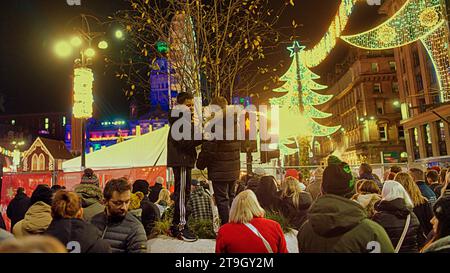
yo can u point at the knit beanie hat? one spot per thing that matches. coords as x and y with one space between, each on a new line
42 193
141 185
338 178
89 177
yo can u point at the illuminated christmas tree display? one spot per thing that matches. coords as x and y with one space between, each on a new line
297 109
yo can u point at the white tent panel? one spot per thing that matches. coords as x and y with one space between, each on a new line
144 151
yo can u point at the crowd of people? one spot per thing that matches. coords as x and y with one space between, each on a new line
333 210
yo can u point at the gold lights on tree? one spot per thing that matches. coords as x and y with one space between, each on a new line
82 93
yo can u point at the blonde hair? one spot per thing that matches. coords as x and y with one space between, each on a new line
292 189
164 195
135 200
245 207
411 188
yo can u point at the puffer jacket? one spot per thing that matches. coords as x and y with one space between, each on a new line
17 208
338 225
221 157
296 216
87 235
91 198
36 220
391 215
125 236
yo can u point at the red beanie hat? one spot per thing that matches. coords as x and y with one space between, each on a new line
294 173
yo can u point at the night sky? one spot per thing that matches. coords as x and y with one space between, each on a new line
34 80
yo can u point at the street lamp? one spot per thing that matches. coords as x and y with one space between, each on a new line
83 76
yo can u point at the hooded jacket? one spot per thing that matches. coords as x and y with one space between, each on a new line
339 225
440 246
17 208
89 237
125 236
391 215
36 220
91 196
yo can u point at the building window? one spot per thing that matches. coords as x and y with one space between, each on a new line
441 136
406 88
419 82
46 123
415 143
403 65
382 132
41 162
64 121
377 88
375 68
393 66
395 87
34 162
401 132
416 58
380 107
428 146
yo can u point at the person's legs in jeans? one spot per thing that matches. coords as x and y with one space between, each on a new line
223 193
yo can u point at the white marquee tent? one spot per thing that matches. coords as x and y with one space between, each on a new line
144 151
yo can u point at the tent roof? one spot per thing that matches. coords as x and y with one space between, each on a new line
144 151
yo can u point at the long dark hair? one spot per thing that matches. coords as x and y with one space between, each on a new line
267 193
441 211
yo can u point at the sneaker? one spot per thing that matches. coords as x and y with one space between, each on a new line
187 236
174 232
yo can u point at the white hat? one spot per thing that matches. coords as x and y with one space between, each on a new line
260 171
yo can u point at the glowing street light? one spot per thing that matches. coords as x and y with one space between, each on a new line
76 41
396 103
89 52
103 45
119 34
63 49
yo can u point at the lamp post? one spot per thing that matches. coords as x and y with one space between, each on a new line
16 153
83 76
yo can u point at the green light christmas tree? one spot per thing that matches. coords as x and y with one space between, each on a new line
297 108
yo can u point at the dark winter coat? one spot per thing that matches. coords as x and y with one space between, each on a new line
222 157
91 196
391 215
126 236
150 215
424 213
89 237
181 153
17 208
339 225
296 215
2 222
154 192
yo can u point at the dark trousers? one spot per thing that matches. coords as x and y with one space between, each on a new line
181 196
224 195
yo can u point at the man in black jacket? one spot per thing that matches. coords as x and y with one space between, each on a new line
18 206
181 156
156 189
150 212
222 159
123 231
